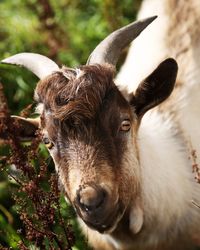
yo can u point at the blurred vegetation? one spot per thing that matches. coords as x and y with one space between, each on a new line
66 31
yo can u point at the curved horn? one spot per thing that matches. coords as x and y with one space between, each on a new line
109 50
40 65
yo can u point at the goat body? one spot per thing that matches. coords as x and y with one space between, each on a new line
168 171
130 174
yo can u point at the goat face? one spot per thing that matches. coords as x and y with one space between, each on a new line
91 130
90 127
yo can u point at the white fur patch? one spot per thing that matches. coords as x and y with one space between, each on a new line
39 109
79 73
168 185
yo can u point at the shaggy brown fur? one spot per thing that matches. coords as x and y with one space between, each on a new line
76 94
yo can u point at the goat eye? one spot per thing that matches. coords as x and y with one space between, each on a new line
48 143
125 125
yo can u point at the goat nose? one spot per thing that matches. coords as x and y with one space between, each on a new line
91 198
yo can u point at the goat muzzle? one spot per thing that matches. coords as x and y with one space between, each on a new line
96 208
91 199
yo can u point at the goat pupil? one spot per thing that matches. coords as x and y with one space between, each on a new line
46 140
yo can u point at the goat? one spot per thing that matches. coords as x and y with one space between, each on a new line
125 171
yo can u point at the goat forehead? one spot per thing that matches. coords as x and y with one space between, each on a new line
70 81
77 94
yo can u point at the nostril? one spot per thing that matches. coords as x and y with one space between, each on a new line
91 198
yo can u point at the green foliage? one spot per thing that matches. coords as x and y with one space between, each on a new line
66 31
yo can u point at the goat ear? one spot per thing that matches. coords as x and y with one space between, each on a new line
156 87
26 127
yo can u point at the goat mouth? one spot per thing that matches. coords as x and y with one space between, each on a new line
108 224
